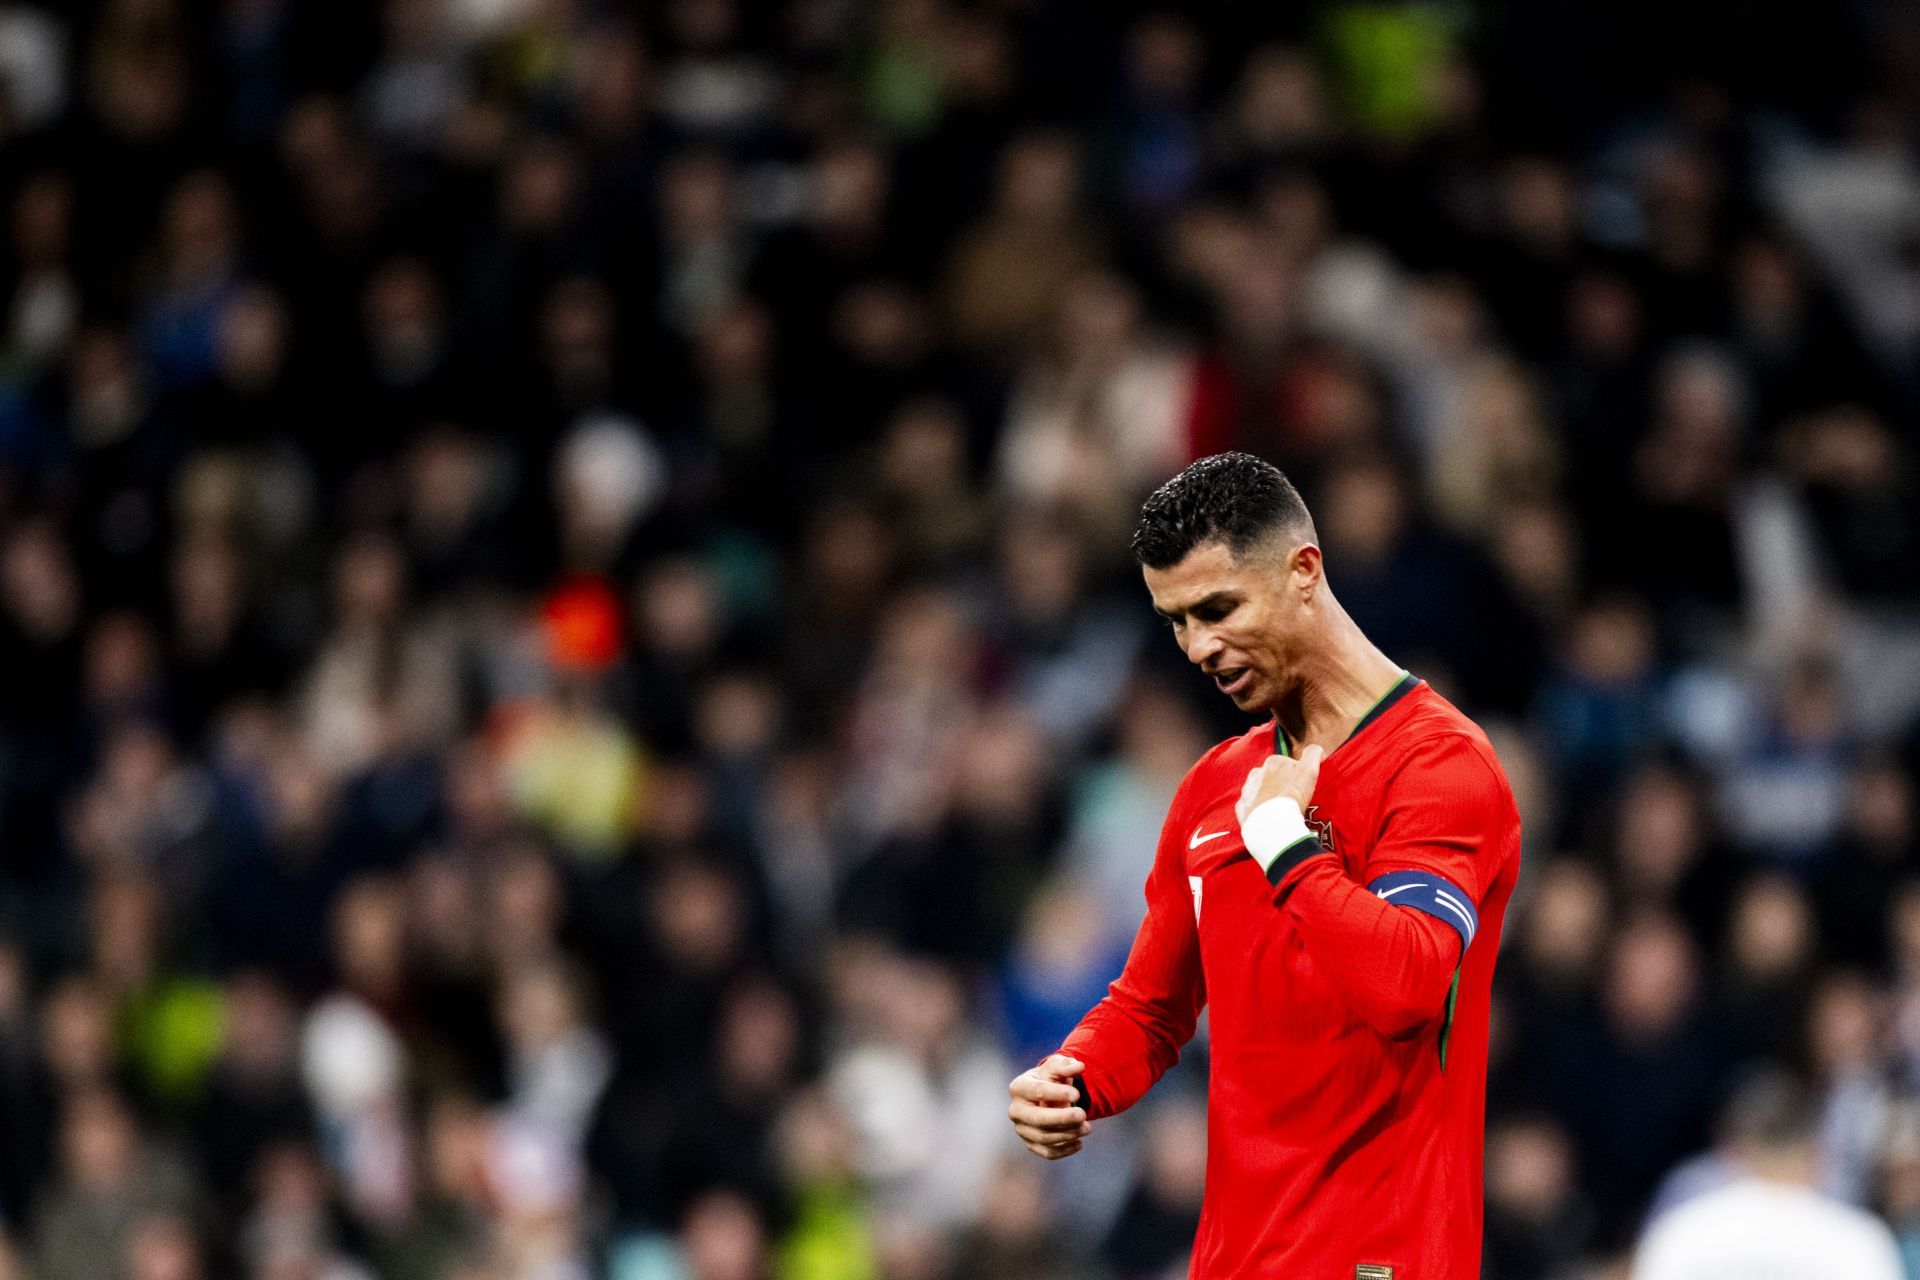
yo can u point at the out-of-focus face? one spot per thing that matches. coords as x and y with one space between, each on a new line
100 1144
162 1248
1529 1169
1653 978
1240 619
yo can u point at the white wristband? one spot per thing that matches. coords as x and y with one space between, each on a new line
1273 828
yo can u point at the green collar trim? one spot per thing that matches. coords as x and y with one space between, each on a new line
1405 685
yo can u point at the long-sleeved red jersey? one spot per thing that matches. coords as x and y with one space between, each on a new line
1349 987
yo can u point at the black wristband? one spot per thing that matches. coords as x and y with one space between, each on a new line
1292 856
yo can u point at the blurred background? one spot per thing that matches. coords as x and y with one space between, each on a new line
572 697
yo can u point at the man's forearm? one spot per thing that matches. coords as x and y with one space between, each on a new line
1127 1045
1393 965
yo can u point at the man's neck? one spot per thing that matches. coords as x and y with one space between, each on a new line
1345 678
1789 1168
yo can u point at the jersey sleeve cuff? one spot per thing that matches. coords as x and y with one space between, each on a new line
1278 838
1292 858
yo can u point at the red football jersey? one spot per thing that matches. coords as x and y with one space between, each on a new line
1349 987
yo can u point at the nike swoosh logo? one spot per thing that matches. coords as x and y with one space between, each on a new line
1197 839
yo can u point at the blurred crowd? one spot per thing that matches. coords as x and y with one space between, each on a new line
572 698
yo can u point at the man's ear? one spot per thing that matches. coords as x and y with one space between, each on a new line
1306 571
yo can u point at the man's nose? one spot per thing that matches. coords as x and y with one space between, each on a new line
1202 644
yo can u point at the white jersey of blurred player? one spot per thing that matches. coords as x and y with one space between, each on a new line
1754 1229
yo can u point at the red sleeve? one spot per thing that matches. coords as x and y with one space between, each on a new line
1391 945
1129 1039
1394 966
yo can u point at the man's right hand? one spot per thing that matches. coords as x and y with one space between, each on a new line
1043 1110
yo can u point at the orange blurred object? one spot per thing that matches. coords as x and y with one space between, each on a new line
582 620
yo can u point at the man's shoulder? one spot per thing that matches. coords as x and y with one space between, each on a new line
1750 1208
1430 714
1436 734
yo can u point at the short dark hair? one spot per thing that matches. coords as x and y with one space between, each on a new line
1771 1110
1234 498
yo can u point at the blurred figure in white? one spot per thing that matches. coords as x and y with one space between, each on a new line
558 1063
914 1081
1768 1223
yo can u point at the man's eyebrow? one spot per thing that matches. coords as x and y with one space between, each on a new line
1210 598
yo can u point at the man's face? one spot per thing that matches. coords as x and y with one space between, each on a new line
1237 619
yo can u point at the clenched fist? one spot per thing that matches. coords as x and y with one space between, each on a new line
1043 1110
1279 776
